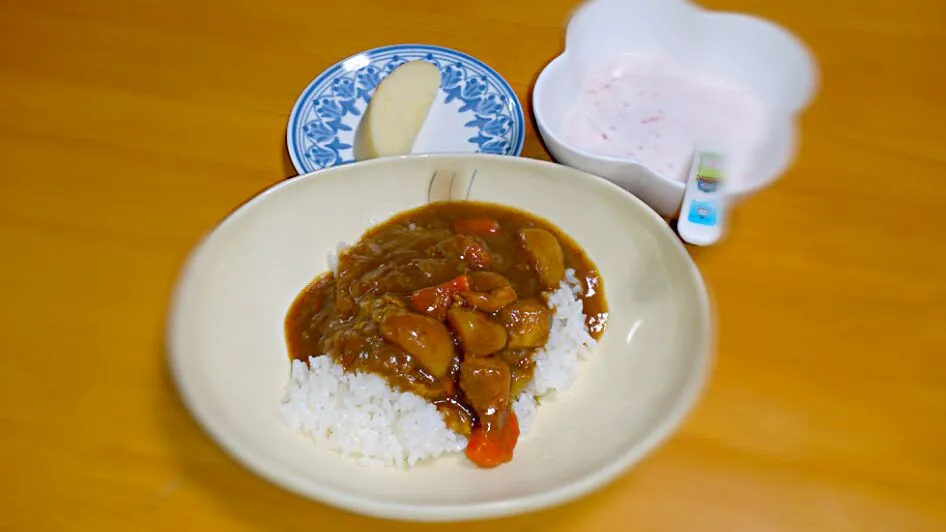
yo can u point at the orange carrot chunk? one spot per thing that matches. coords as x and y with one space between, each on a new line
475 226
433 301
494 447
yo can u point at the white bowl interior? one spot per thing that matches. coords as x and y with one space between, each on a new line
742 49
228 354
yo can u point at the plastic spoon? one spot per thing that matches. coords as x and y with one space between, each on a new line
703 212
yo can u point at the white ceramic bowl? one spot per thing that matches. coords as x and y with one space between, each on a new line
746 50
228 356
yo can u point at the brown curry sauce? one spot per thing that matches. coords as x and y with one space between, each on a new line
433 270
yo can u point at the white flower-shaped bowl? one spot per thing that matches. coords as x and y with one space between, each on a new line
743 49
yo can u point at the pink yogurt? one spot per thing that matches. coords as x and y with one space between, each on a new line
651 110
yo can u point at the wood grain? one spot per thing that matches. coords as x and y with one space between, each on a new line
129 128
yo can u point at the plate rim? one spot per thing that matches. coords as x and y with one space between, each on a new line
294 114
692 388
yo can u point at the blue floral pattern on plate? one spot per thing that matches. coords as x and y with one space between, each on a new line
322 123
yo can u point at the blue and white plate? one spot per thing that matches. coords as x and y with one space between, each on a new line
478 112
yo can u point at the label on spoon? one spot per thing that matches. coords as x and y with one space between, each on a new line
703 211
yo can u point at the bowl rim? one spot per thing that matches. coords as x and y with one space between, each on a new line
692 387
743 190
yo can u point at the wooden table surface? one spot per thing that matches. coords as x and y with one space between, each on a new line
128 128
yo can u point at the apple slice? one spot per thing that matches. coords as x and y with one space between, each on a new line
397 111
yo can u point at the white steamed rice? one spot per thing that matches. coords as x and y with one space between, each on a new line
362 417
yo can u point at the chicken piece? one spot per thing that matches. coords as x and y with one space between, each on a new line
527 324
546 251
478 334
485 382
522 367
426 339
489 292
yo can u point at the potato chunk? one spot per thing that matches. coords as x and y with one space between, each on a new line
426 339
546 252
478 334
